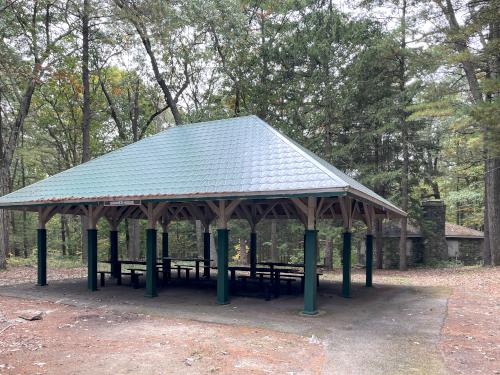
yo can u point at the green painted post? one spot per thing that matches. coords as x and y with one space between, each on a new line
253 254
165 264
346 265
310 272
151 263
92 259
113 252
206 254
369 259
222 264
42 256
304 249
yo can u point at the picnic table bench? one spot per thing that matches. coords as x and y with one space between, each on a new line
185 269
276 281
263 287
196 261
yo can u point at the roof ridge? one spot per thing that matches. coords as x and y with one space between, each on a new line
300 151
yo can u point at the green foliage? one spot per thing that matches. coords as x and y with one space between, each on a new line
325 77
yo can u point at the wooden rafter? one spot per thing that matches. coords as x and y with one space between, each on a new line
300 205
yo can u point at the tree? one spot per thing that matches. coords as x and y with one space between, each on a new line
480 62
32 33
149 17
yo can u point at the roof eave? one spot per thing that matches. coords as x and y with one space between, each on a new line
181 197
386 207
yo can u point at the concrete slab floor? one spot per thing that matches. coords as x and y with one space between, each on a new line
387 329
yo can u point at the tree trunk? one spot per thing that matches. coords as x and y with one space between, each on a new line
7 151
134 241
492 142
199 238
402 245
85 109
404 140
24 215
243 252
4 220
274 241
85 238
14 242
26 246
213 249
64 247
487 261
493 212
328 261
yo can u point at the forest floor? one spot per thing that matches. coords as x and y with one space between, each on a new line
410 322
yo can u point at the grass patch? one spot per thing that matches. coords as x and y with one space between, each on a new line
53 261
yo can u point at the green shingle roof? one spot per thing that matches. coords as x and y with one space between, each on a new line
238 157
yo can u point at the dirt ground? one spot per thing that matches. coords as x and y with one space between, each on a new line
420 321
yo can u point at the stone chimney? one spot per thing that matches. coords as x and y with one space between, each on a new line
433 231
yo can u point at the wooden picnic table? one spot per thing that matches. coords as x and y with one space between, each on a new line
197 262
274 274
282 264
132 262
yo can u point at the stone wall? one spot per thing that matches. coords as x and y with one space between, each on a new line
470 251
414 251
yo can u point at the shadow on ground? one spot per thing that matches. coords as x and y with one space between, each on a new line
387 329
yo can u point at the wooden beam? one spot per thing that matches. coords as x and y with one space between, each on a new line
298 214
214 208
347 211
45 214
266 212
231 207
221 217
284 206
300 205
311 212
320 206
144 208
369 217
325 208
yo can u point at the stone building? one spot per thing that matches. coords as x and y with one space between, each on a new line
433 241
